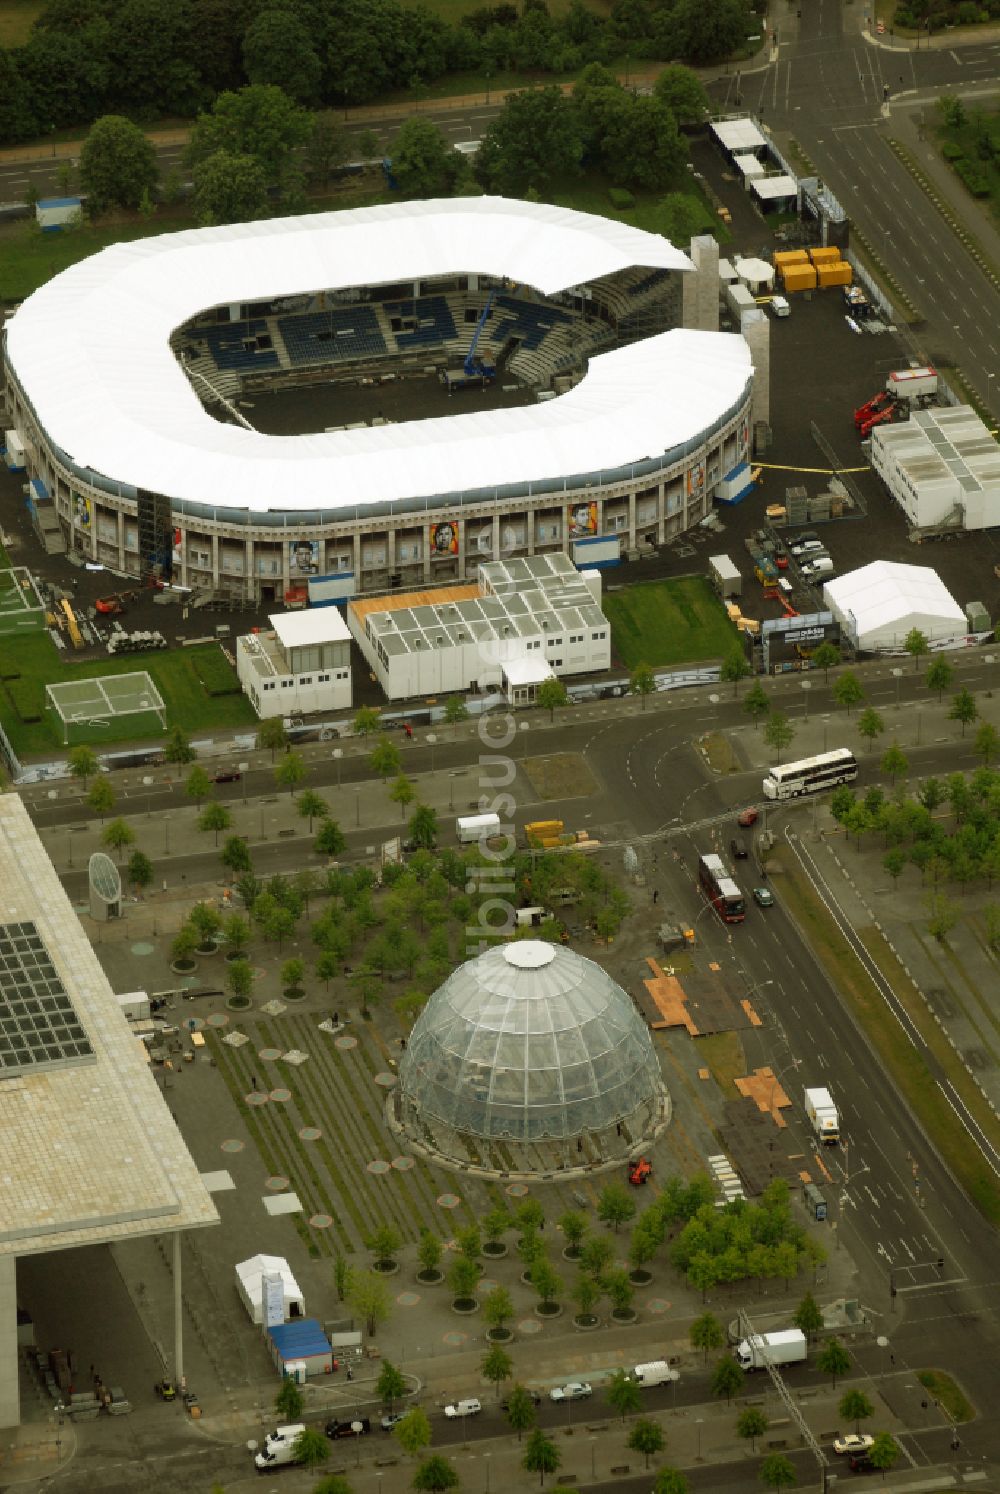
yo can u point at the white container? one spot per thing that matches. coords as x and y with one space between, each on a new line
780 307
472 827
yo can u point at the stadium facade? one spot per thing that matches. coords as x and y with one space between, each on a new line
130 379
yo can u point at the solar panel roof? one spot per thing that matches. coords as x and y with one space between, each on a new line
39 1027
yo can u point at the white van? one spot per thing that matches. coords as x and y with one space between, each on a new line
780 307
279 1447
657 1372
472 827
821 566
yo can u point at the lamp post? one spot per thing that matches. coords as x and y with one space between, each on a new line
698 1424
524 728
357 807
338 754
432 743
451 790
897 675
487 1457
806 687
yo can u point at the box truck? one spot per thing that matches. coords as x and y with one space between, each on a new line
657 1372
473 827
786 1347
823 1117
279 1447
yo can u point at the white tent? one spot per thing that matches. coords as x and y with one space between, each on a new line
249 1282
880 603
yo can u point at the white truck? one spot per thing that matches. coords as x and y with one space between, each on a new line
656 1372
473 827
823 1117
279 1447
786 1347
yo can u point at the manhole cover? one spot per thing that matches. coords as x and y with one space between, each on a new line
233 1145
281 1096
378 1166
403 1164
276 1184
321 1221
449 1200
408 1299
310 1133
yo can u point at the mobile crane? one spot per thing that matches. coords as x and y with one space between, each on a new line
474 370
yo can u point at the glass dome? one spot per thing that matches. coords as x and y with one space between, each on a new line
529 1041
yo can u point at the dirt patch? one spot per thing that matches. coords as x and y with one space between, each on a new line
720 753
563 775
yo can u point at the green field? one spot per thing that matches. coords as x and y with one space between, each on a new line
16 20
33 662
668 622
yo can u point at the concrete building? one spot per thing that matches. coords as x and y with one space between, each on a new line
539 609
942 466
302 665
91 1154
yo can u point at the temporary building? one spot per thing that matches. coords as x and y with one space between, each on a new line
756 274
881 603
250 1285
300 1349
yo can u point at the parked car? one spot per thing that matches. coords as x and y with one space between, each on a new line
532 1395
806 547
763 897
469 1407
390 1419
358 1426
747 817
853 1442
575 1390
738 848
233 777
861 1463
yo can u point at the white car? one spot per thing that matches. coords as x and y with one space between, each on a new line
854 1442
576 1390
468 1407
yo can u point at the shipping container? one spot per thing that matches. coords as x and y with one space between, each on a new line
799 278
911 383
725 576
326 591
790 257
838 274
825 256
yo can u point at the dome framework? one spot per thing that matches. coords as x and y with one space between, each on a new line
532 1056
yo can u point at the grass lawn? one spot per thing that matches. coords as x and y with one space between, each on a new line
668 622
172 671
944 1389
16 20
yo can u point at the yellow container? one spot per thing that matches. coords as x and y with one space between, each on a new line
827 256
799 278
791 257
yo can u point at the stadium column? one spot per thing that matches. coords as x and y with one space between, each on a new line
120 516
10 1405
251 579
461 549
661 509
631 515
356 546
215 562
427 553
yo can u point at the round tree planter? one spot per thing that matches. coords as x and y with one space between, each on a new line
184 967
547 1310
465 1306
205 951
234 955
499 1335
641 1278
385 1268
294 993
586 1324
238 1003
495 1250
623 1316
571 1253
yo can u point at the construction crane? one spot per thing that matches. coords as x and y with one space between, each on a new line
475 368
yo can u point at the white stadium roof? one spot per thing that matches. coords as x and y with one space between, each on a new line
91 350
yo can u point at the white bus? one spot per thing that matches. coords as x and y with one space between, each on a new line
811 775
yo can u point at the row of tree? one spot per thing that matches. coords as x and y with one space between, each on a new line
150 59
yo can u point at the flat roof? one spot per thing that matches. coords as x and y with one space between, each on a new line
91 351
775 186
91 1152
738 134
312 626
527 671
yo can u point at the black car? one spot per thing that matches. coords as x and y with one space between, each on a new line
861 1463
738 848
532 1395
359 1426
227 777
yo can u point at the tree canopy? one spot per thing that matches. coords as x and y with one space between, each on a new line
117 164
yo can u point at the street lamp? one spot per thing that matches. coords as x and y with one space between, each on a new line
593 1459
524 728
432 743
487 1457
806 687
897 675
451 790
338 753
698 1424
357 807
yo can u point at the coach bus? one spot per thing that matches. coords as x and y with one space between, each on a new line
720 889
811 775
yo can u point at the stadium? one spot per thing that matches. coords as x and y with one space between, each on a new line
383 397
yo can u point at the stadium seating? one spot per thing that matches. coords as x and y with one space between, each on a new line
227 344
434 322
526 320
648 282
335 336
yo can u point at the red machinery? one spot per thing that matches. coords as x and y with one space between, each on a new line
640 1172
881 417
871 407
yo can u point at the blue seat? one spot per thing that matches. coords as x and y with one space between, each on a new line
338 335
434 322
227 345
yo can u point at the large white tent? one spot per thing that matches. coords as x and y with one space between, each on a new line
250 1278
878 605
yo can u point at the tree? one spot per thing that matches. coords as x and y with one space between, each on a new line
206 923
833 1360
776 1472
870 725
385 758
826 657
330 838
496 1222
670 1481
235 855
413 1433
326 149
311 1448
428 1252
118 836
83 762
615 1206
707 33
140 870
541 1455
384 1243
278 49
894 862
215 817
455 710
496 1366
894 762
646 1437
261 121
520 1411
271 735
680 89
240 978
341 1276
855 1406
778 732
596 1255
884 1452
435 1475
916 645
463 1277
101 797
545 1279
939 676
574 1226
552 693
756 702
535 139
292 974
367 722
183 945
289 1401
331 1483
402 793
198 785
369 1297
750 1425
807 1316
424 164
707 1333
290 772
848 690
228 188
943 915
311 806
390 1385
178 749
236 932
117 164
727 1377
624 1395
734 668
642 682
964 709
987 742
498 1307
423 827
